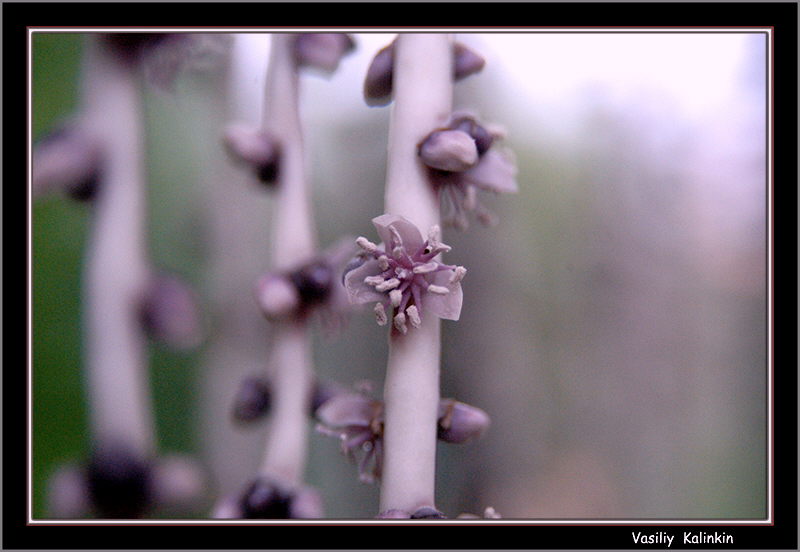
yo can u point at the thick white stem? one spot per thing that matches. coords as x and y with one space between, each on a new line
293 241
116 270
423 92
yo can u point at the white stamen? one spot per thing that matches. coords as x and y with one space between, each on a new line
470 198
366 245
458 274
395 296
374 280
380 314
383 262
438 290
425 268
388 284
413 316
398 252
400 323
398 241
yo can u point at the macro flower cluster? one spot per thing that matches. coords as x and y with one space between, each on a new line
403 277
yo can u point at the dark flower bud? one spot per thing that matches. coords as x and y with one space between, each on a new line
428 512
465 61
170 314
254 148
263 499
483 138
129 46
66 160
378 82
252 401
460 422
119 483
322 393
313 282
322 51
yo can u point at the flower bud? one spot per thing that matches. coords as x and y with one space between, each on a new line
277 296
128 47
460 422
483 138
449 150
465 61
322 51
66 160
378 82
252 401
178 483
67 495
255 148
119 483
263 499
170 314
313 282
428 512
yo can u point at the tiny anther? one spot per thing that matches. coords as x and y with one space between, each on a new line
458 274
413 316
400 323
383 262
366 245
374 280
438 290
426 268
387 285
395 296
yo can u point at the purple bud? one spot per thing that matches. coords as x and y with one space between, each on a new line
277 296
483 138
378 82
322 50
263 499
428 512
255 148
178 483
119 483
252 401
313 282
466 61
67 493
460 422
449 150
130 46
67 159
170 314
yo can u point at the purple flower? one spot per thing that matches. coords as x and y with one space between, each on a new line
462 162
402 276
357 420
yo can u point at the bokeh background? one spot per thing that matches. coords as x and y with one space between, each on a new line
614 322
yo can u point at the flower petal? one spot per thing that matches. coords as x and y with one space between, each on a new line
359 292
496 172
409 233
348 410
447 306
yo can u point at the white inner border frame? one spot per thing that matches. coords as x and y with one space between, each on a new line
769 520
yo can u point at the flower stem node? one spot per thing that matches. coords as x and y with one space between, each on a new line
380 74
119 483
404 277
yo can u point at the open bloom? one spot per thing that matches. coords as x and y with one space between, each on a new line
357 420
462 162
403 277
